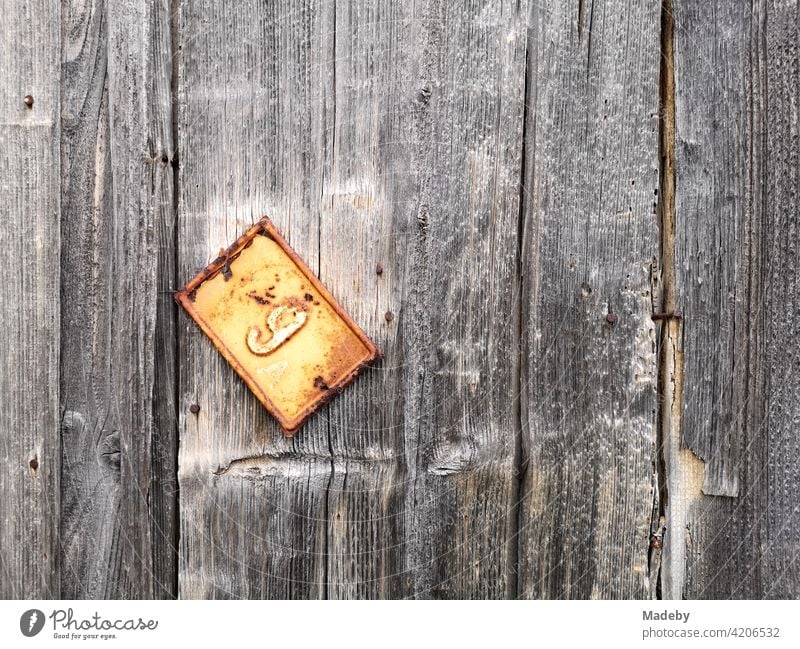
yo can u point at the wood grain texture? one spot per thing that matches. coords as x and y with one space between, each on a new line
590 244
29 308
164 521
89 448
364 145
359 107
737 75
117 522
422 171
253 503
711 152
478 184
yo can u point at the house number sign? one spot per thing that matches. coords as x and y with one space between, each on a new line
264 310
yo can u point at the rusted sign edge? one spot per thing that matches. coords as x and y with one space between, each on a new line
185 297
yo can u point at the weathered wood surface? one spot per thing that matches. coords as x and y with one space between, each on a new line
252 80
29 308
501 163
737 72
421 177
118 429
397 469
590 249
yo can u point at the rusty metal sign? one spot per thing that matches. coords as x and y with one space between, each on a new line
274 322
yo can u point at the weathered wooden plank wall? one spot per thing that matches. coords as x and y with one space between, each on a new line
423 179
736 518
366 181
251 88
590 256
501 193
29 308
118 531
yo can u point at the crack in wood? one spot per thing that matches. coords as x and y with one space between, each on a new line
676 467
667 285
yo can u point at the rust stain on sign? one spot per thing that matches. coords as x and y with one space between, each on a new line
276 324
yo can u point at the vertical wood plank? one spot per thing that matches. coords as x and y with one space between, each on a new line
29 306
423 160
253 503
461 388
375 510
737 71
164 523
711 153
90 457
118 530
590 243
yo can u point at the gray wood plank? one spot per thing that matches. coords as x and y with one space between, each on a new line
591 239
118 431
711 157
164 522
424 117
89 447
253 503
333 139
737 74
29 306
